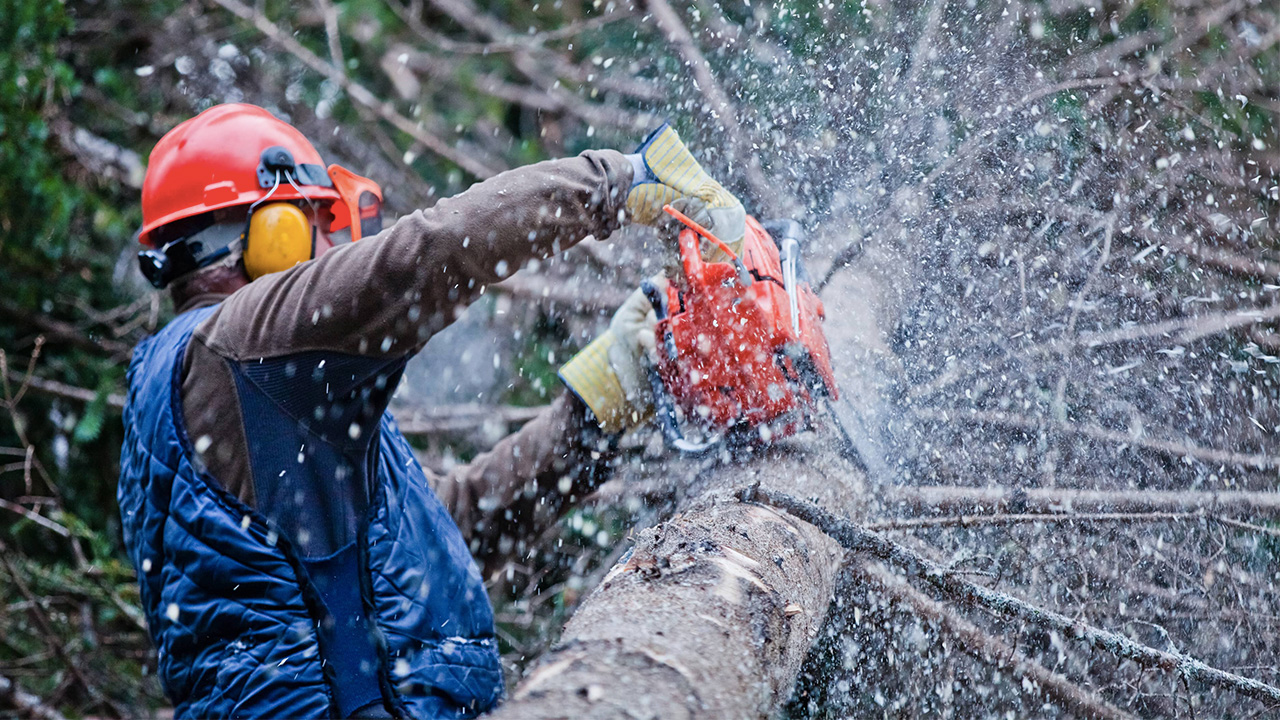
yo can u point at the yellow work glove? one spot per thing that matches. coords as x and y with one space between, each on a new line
611 375
665 171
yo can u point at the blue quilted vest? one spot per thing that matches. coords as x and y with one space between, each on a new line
246 626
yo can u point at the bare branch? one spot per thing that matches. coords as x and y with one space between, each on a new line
952 499
970 521
45 627
1184 448
357 92
99 155
61 331
26 704
1057 687
1250 267
457 418
35 517
859 540
587 297
724 110
1183 330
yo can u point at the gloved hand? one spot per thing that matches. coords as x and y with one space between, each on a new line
611 375
669 230
665 171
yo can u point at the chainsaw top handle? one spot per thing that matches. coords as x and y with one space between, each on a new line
691 253
700 230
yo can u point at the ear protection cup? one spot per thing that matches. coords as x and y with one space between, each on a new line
277 237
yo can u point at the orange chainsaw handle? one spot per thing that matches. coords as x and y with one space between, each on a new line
691 253
700 230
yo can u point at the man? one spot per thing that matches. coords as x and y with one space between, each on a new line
294 559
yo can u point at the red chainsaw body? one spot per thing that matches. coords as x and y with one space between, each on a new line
727 351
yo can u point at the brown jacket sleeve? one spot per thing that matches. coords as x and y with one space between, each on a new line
386 295
509 495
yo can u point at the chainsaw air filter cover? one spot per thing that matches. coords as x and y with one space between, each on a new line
729 351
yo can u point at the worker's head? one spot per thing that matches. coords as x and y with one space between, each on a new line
234 194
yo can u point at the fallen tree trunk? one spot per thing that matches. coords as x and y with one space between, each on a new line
711 613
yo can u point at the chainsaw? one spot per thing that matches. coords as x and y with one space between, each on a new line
741 355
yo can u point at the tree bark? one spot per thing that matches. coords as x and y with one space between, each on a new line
712 612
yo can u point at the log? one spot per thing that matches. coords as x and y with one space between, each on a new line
712 612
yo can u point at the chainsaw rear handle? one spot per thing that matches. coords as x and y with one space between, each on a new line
664 408
654 295
691 248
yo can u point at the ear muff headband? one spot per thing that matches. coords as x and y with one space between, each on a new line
278 236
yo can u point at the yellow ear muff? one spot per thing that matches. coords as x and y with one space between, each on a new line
279 237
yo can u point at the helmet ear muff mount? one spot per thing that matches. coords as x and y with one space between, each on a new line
277 236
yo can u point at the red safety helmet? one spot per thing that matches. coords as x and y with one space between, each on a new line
226 156
211 162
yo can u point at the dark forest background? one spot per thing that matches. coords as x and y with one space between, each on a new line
1093 185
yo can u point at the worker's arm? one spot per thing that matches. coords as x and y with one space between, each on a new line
363 308
510 494
386 295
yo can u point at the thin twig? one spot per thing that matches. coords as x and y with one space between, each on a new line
26 704
968 521
35 517
51 638
11 399
515 43
1224 260
1183 330
1184 448
64 332
65 391
859 540
974 500
486 25
357 92
457 418
587 296
1057 687
724 110
1077 306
